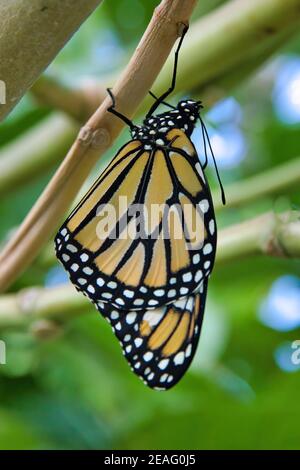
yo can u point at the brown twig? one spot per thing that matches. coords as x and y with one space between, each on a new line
95 137
268 234
35 151
79 103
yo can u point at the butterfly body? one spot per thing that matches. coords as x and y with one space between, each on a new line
154 129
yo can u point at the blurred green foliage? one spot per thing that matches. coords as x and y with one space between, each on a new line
76 391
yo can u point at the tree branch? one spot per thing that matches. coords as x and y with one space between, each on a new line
278 180
78 103
96 136
31 35
37 149
218 87
37 303
269 234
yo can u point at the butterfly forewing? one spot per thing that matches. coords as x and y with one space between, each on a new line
144 235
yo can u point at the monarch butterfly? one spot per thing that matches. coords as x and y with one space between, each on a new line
151 286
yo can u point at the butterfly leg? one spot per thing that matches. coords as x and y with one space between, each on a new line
112 110
163 102
173 83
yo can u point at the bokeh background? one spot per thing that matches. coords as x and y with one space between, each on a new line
74 390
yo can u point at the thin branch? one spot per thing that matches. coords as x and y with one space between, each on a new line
267 235
31 34
220 86
38 149
37 303
96 136
79 103
278 180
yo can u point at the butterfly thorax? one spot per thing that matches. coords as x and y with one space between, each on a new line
153 132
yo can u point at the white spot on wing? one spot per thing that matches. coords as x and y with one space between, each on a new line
211 226
198 275
128 293
87 271
130 318
171 293
138 342
147 357
91 289
112 285
163 364
71 248
207 249
187 277
183 290
179 358
196 258
159 292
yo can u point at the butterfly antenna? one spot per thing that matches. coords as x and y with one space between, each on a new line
205 146
206 137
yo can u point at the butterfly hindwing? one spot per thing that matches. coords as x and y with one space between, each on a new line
134 267
160 344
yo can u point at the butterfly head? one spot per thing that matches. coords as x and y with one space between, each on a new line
189 108
187 114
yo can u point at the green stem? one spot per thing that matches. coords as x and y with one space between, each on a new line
278 180
38 149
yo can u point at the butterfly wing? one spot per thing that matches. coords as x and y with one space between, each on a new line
134 268
160 344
